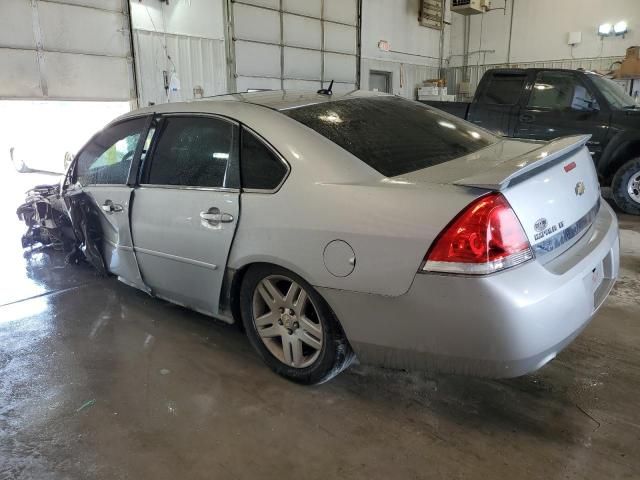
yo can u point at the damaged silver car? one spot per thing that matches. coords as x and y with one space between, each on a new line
341 225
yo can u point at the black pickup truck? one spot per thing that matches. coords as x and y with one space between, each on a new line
542 104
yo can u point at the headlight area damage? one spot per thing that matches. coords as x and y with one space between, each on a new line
67 222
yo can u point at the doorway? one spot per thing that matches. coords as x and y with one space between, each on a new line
380 81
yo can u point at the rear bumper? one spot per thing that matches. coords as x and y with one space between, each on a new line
501 325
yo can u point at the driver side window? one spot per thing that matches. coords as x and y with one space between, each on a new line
107 158
560 91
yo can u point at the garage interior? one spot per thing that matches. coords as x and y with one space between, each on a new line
99 380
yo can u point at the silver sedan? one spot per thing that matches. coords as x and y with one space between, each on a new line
335 226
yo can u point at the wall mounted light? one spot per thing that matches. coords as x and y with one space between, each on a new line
621 28
608 29
605 29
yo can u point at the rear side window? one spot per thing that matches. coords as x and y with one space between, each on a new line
107 158
260 168
195 152
503 89
392 135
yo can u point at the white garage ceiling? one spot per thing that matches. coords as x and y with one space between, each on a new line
66 50
295 44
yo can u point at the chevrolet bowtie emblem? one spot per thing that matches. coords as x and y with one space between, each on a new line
580 188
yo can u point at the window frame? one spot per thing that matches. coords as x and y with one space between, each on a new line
145 166
578 80
135 160
273 150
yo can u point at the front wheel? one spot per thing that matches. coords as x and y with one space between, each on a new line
625 187
291 326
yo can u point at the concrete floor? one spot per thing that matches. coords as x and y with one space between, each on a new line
97 380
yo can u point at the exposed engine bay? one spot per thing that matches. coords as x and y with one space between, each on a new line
64 221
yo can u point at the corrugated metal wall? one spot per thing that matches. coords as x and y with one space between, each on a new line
406 77
198 63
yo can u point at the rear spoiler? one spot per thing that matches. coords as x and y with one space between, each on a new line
524 166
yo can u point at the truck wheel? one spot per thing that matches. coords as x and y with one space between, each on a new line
626 187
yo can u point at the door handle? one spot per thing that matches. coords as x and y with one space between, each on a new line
109 207
527 117
214 216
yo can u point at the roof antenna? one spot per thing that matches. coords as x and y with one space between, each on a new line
326 91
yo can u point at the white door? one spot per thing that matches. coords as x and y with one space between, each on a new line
66 50
102 173
186 209
295 44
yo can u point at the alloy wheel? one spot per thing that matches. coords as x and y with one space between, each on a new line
287 321
633 187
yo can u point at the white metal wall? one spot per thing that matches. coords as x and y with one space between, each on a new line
294 44
198 62
66 50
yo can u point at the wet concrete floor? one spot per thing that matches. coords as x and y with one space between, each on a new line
100 381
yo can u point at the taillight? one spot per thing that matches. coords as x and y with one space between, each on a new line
484 238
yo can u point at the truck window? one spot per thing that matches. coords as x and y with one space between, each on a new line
503 89
560 91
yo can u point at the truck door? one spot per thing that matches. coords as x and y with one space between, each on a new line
561 104
497 102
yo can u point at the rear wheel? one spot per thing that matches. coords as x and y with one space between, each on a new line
291 326
625 187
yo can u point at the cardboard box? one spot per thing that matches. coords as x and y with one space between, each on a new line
428 91
630 65
633 52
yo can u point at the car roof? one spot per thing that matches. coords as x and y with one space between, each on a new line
278 100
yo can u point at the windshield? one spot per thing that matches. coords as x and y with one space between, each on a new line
392 135
613 92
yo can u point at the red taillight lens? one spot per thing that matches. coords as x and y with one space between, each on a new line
484 238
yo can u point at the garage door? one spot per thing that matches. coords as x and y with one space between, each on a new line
295 44
65 50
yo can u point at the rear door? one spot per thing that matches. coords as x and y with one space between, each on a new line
186 209
497 105
102 172
561 104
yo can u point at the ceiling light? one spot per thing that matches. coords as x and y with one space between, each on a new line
620 28
605 29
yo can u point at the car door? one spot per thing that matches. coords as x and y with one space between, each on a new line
186 209
561 104
102 172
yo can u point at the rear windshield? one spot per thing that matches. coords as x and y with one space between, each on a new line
393 135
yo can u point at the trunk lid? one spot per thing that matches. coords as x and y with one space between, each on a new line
552 187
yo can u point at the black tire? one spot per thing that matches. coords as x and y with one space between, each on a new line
18 164
620 187
335 354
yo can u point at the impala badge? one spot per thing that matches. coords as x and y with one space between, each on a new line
580 188
540 225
